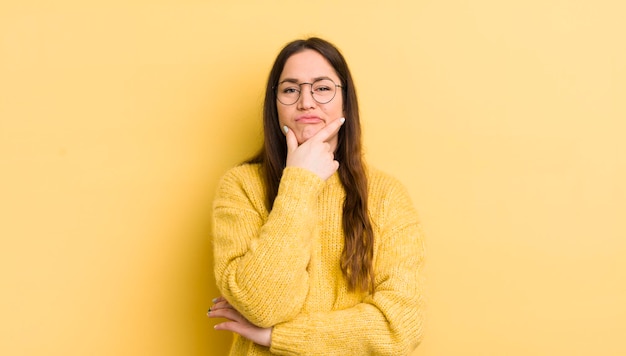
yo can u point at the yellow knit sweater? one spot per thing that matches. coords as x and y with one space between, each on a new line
281 268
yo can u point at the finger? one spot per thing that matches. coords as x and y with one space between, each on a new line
221 305
228 326
218 299
242 329
230 314
292 141
329 130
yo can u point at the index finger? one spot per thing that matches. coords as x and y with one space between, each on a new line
329 130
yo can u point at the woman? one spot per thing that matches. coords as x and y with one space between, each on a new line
315 253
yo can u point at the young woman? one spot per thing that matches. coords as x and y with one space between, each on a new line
315 253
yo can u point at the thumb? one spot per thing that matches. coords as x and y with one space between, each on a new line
292 141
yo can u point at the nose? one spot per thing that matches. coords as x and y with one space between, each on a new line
306 101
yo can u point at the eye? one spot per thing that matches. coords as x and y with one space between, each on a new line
321 88
289 90
324 86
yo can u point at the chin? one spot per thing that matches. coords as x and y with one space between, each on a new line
309 132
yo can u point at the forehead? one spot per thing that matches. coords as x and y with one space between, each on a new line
306 66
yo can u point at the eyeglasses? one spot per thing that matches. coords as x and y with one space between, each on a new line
322 90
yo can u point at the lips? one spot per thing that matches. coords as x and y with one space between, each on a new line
308 119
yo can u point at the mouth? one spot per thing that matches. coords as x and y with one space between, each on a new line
308 119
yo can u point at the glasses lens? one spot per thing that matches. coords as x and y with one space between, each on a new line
288 93
323 90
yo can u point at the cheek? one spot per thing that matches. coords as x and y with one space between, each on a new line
334 111
282 117
338 104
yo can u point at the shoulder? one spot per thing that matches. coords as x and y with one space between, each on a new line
242 180
243 172
383 183
388 198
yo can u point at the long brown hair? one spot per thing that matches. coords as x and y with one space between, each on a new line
358 253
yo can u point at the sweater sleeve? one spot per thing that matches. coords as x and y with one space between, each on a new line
389 322
261 262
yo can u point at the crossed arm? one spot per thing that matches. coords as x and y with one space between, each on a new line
269 314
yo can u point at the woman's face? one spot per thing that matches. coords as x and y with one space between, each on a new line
306 116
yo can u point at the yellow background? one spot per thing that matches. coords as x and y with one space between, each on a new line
505 119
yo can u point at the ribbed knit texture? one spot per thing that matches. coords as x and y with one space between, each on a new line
282 268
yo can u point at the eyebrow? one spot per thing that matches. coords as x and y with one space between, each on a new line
293 80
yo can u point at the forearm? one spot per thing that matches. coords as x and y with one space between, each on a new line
368 328
260 282
261 265
389 322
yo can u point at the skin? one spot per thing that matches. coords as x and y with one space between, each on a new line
307 117
237 323
311 134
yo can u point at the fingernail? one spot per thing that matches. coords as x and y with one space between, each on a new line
286 129
342 120
214 300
